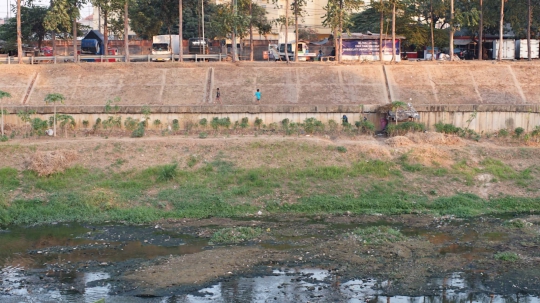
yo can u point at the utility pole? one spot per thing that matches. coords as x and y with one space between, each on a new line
233 37
180 33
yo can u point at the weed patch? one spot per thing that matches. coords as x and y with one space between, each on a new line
377 235
235 235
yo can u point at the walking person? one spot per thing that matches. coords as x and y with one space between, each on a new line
218 96
258 96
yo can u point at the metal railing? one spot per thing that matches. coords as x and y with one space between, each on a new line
111 58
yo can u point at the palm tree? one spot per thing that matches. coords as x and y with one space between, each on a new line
3 95
53 98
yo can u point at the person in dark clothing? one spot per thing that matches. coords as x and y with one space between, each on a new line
333 53
344 120
218 96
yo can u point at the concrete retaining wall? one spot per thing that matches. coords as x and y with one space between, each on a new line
502 94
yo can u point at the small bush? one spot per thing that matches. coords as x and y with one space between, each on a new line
139 131
203 122
167 172
405 127
244 123
157 123
446 128
85 123
203 135
503 133
4 138
507 256
377 235
130 124
175 125
258 122
235 235
519 131
365 127
341 149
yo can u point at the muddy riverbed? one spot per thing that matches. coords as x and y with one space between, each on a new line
294 259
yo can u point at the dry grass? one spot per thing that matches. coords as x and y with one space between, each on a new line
398 141
46 163
434 138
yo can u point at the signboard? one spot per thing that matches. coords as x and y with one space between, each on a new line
368 47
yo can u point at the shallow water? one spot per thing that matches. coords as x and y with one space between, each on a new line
27 254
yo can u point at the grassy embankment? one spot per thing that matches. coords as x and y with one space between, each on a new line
223 188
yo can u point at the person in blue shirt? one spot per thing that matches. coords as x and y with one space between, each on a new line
258 96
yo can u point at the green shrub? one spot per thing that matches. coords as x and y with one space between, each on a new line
130 124
203 122
203 135
139 131
405 127
377 235
312 125
235 235
85 123
97 125
175 125
167 172
157 123
258 122
536 131
519 131
446 128
517 223
4 138
503 133
333 126
341 149
365 127
507 256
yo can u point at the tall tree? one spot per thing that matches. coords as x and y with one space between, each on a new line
19 32
108 8
180 32
54 98
298 9
126 30
501 32
338 18
57 20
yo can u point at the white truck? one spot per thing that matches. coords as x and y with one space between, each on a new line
165 46
303 51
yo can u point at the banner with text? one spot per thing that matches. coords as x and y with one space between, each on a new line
368 47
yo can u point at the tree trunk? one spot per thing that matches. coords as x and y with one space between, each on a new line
54 120
250 33
19 32
2 113
451 51
54 43
296 30
529 17
394 32
340 40
180 32
499 57
106 33
481 32
75 55
233 36
432 34
126 32
381 33
287 30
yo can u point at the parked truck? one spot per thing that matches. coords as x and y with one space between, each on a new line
92 44
303 51
165 45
